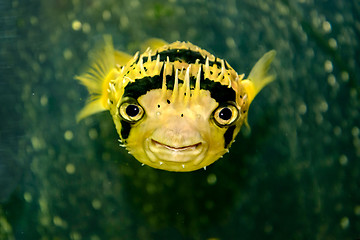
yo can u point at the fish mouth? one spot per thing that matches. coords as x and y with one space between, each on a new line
161 152
176 149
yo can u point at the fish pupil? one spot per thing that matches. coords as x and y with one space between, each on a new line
132 110
225 114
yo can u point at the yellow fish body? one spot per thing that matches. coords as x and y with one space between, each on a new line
176 107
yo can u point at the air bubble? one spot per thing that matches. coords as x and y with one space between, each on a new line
328 66
343 160
211 179
28 197
302 109
106 15
326 27
355 131
86 28
332 43
70 168
67 54
331 80
43 100
230 43
93 134
96 204
357 210
68 135
344 222
345 76
323 107
337 131
76 25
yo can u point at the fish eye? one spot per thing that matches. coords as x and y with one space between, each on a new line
225 115
131 111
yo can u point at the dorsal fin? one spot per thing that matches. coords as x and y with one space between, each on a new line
153 43
122 58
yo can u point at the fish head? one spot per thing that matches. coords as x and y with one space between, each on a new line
177 134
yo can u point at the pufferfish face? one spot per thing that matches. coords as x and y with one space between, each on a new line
178 135
179 115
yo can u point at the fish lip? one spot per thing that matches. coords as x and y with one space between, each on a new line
177 149
159 152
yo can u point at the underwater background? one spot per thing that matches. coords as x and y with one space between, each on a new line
294 175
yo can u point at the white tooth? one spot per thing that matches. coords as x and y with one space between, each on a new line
161 163
183 166
142 164
108 101
205 168
120 140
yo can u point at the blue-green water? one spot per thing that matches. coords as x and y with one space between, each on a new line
296 175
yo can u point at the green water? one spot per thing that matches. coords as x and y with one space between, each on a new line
296 175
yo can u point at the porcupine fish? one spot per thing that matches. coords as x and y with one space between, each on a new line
175 106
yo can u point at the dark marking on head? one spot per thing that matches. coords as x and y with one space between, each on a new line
158 105
182 115
168 101
125 129
229 135
183 55
142 86
221 93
